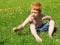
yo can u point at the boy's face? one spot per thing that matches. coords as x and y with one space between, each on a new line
34 13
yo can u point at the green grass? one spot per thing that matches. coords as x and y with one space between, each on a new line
14 12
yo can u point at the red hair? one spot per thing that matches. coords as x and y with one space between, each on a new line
36 6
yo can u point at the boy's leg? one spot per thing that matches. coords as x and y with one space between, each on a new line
34 32
51 28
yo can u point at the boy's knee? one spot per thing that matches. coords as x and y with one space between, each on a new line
52 21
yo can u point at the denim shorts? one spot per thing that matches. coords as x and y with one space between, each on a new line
44 27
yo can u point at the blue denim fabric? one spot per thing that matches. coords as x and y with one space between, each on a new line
44 27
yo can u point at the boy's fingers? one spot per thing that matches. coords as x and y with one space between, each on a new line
14 29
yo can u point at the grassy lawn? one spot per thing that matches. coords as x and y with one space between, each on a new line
14 12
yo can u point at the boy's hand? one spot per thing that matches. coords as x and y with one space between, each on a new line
15 29
39 39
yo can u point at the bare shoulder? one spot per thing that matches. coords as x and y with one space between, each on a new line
29 18
46 17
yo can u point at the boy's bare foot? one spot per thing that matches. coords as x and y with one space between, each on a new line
39 39
50 36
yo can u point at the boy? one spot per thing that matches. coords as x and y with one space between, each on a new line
35 19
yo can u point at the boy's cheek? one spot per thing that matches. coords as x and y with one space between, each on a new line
32 14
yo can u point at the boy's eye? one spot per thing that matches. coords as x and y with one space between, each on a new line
34 12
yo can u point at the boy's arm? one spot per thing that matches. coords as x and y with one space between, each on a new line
51 25
21 26
47 18
24 23
34 32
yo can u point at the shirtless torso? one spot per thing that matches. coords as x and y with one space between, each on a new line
38 21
